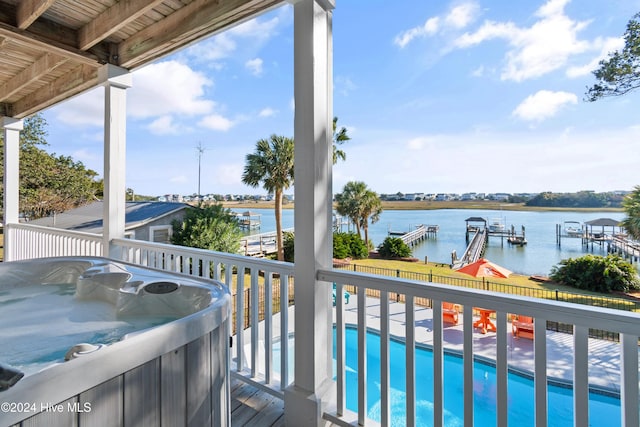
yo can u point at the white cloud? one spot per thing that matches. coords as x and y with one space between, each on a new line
164 126
254 66
217 122
545 46
419 143
543 104
267 112
343 85
168 87
457 17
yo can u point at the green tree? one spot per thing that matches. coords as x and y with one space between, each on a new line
631 206
212 227
49 183
272 165
360 204
620 73
597 273
339 137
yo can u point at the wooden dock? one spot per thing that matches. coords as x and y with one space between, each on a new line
626 248
260 245
475 250
420 233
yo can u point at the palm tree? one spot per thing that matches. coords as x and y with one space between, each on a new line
370 211
272 164
339 137
631 205
359 204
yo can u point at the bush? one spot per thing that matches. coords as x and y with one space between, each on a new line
287 243
349 245
345 245
394 247
597 273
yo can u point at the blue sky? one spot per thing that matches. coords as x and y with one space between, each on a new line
447 96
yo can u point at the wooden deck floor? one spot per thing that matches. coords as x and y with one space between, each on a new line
252 407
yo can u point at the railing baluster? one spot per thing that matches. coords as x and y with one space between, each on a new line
629 380
580 376
255 311
410 360
240 317
467 354
362 356
340 353
438 362
268 331
284 331
385 383
540 370
502 395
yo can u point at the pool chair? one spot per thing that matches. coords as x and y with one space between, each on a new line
346 295
522 326
450 312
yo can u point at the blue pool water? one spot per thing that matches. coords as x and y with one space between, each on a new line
603 410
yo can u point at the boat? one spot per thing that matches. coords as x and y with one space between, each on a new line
573 229
496 225
517 240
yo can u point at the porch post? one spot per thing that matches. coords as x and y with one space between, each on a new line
11 181
116 81
314 388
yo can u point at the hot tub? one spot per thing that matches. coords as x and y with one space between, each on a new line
94 342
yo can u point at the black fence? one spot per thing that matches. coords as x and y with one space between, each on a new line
484 284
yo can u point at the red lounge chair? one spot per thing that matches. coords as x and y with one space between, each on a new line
522 326
450 312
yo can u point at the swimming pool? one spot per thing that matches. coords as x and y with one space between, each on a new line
603 409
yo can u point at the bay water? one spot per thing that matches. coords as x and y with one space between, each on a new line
537 257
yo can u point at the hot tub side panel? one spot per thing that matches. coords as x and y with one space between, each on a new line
186 386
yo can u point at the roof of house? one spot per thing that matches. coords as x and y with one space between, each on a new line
88 218
53 50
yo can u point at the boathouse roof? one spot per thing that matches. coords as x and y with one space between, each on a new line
603 222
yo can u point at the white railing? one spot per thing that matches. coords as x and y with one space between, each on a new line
263 279
582 317
256 323
255 290
25 241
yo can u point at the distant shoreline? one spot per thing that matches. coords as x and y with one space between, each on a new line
432 205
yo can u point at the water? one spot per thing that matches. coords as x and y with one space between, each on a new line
537 257
40 323
603 410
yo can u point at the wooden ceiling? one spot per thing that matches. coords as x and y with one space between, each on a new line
51 50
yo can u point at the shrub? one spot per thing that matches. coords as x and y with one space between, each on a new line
394 247
213 227
287 243
349 245
597 273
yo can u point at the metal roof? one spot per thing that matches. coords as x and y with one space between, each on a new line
88 218
51 50
603 222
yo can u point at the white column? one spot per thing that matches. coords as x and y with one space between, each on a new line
314 388
11 181
116 81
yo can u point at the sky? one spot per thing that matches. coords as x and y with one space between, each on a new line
437 97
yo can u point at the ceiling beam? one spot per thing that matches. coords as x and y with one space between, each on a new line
43 44
43 65
30 10
198 18
112 19
76 81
